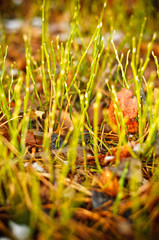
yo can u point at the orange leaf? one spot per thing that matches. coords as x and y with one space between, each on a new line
109 182
129 108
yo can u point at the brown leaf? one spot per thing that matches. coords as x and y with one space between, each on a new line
64 122
30 138
100 114
34 137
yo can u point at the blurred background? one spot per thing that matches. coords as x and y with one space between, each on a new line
19 17
118 13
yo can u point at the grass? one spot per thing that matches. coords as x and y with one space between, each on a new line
60 196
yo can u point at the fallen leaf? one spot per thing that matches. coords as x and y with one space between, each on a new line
109 182
100 114
64 123
98 198
134 169
129 109
56 141
34 137
121 152
30 138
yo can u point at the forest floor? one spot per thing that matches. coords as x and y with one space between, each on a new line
79 140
